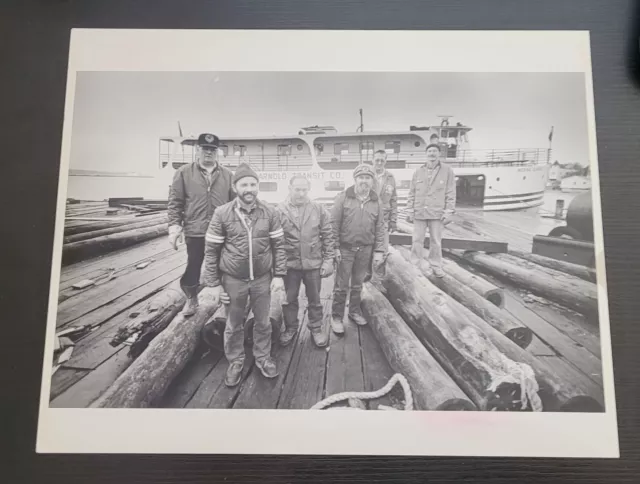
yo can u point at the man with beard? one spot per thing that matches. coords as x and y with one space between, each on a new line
431 203
197 190
385 187
358 226
245 259
309 246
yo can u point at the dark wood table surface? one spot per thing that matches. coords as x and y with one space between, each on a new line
34 40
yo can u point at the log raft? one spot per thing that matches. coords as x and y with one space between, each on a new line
92 226
577 270
431 387
115 230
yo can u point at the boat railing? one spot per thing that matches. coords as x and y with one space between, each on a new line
500 156
257 162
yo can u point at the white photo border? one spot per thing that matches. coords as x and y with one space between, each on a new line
335 432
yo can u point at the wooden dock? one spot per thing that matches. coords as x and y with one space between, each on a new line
123 285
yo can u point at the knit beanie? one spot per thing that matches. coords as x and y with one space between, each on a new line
244 170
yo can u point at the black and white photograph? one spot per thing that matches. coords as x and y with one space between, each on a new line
372 242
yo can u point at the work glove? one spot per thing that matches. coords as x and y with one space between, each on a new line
214 294
326 269
378 258
277 284
447 219
338 256
175 233
409 219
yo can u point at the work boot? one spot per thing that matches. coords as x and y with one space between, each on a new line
437 271
234 373
191 306
287 335
267 367
358 319
320 338
336 325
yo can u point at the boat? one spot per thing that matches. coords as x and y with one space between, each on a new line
493 179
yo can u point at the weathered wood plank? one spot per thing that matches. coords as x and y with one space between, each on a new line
451 243
63 379
94 383
344 362
376 368
184 387
224 396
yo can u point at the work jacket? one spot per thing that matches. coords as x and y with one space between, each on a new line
385 187
244 245
308 236
357 224
193 200
431 198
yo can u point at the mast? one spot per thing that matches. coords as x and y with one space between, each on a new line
360 129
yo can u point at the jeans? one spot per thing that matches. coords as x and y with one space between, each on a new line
436 227
312 284
355 264
258 292
195 257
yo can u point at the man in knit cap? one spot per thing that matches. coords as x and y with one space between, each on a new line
245 258
197 190
359 231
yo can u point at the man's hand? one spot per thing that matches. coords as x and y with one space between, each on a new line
326 269
447 219
338 256
393 227
175 233
378 257
410 219
212 294
277 284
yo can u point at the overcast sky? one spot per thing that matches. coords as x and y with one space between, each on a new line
119 116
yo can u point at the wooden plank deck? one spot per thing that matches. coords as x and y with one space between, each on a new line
307 374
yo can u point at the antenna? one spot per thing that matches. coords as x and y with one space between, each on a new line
445 119
180 129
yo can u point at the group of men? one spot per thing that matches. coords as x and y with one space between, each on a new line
250 249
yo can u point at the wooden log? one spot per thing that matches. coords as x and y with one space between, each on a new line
447 242
499 319
481 286
114 230
431 387
106 224
153 318
568 291
84 249
144 383
577 270
429 314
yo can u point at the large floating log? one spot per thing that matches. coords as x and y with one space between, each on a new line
114 230
431 387
577 270
101 245
492 381
144 383
499 319
154 317
428 312
107 224
447 243
571 292
481 286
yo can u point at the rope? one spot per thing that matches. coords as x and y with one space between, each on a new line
397 378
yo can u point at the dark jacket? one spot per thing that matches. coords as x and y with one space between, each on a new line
357 224
308 242
431 198
388 195
192 200
243 251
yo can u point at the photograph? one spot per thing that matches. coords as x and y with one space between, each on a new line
375 242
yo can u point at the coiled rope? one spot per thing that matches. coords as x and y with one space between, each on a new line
397 378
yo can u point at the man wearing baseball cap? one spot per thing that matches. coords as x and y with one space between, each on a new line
359 231
198 189
245 258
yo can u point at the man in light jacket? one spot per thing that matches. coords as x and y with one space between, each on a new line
245 259
431 203
358 227
197 190
308 242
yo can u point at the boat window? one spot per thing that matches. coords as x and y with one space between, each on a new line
405 184
239 150
416 144
224 149
341 148
299 147
452 151
284 150
392 146
319 147
366 147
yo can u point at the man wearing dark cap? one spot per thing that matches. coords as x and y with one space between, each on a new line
245 258
197 190
359 230
431 204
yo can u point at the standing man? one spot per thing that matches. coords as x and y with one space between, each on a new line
431 203
197 190
308 242
245 259
385 187
358 226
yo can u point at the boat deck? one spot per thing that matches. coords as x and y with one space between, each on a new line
308 374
